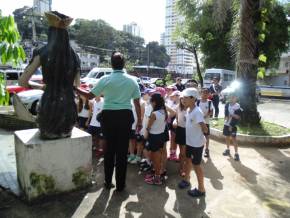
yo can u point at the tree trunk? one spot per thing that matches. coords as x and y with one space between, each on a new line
198 67
248 61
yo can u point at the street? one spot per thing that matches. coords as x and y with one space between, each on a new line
258 186
271 110
275 111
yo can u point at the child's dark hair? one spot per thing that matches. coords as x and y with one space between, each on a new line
81 104
205 90
181 106
159 103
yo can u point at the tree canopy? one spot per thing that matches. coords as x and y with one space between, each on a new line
215 39
10 51
96 36
23 17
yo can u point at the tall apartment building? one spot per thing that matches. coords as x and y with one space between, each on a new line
133 29
41 6
162 39
181 61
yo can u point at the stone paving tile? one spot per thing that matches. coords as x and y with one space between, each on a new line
8 173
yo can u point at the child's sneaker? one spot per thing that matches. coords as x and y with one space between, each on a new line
136 160
226 152
164 175
143 162
145 168
154 180
130 158
237 157
206 153
148 176
195 193
183 184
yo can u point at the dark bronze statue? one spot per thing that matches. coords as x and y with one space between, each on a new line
60 66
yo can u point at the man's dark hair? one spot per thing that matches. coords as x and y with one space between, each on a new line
117 60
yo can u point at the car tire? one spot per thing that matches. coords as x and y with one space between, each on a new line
11 98
258 98
33 109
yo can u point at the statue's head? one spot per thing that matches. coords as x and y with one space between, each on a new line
58 57
58 20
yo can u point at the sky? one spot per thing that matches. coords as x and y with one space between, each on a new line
148 14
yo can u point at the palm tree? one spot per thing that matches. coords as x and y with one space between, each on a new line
247 60
245 42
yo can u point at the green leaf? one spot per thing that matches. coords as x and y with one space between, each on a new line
261 73
10 53
263 58
22 54
262 37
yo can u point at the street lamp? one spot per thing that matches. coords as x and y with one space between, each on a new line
148 59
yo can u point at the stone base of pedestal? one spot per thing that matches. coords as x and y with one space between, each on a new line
49 167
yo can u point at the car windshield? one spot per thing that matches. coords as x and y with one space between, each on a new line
38 72
92 74
210 76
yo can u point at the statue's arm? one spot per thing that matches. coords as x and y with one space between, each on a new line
28 72
77 81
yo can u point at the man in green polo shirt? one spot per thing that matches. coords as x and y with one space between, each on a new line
117 118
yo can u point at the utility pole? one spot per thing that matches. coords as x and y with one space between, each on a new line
33 25
148 59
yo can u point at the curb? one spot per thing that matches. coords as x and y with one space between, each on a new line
253 139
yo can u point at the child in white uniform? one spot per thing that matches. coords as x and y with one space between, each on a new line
155 136
206 107
195 140
96 107
180 138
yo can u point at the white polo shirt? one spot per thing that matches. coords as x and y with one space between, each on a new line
194 134
204 106
97 108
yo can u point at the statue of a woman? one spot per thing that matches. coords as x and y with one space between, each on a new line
60 66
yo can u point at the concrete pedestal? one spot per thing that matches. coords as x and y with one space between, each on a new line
48 167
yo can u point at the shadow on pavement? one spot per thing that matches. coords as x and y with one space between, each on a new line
211 172
246 173
279 159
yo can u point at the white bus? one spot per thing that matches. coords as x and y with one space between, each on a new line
225 77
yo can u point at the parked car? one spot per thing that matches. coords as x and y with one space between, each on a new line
12 75
157 81
145 79
37 76
13 87
30 99
226 77
233 87
189 83
93 77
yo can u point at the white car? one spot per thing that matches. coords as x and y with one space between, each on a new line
30 99
94 76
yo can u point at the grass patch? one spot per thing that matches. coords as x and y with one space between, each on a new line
266 128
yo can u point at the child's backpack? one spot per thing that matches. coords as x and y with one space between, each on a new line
209 105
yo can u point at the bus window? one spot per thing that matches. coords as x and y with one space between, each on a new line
210 76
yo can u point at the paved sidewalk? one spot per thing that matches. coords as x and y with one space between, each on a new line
8 175
258 186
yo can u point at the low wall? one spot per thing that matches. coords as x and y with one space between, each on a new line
252 139
12 122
